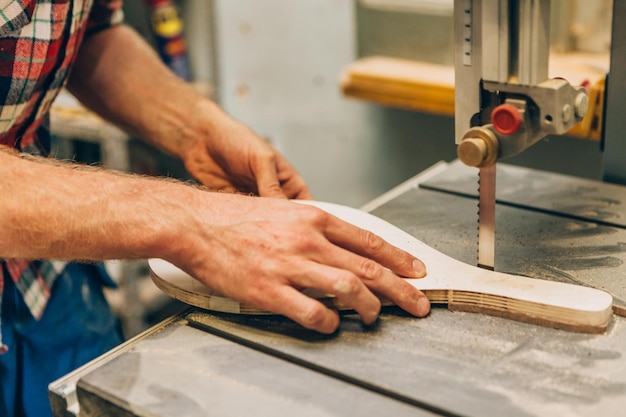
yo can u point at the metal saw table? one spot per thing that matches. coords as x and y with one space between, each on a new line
449 364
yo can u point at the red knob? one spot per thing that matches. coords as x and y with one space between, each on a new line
506 119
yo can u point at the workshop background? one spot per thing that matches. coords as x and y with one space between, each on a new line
276 65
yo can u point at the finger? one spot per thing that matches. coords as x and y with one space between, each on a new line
344 285
399 291
381 281
291 181
372 246
296 188
215 182
304 310
267 177
223 187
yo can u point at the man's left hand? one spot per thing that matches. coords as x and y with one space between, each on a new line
228 156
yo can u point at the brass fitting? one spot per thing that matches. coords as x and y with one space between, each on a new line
478 148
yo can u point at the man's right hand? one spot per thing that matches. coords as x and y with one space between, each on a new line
263 251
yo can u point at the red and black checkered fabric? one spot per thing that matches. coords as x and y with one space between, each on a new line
39 40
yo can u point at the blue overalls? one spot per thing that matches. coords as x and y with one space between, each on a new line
77 326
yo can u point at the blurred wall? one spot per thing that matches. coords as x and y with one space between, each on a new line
279 62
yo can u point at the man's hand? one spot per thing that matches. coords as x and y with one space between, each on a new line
226 155
264 251
154 104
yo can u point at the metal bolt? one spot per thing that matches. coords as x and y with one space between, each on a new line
581 103
567 113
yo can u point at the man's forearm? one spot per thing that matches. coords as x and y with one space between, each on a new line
56 210
119 76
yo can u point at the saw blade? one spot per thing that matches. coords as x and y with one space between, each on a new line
487 217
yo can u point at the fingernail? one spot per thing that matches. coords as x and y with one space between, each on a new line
423 306
419 268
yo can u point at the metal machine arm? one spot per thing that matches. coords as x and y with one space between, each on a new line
504 100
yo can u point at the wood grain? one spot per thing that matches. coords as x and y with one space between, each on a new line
461 286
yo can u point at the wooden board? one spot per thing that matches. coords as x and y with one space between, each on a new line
461 286
401 83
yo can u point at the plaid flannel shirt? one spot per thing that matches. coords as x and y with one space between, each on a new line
39 40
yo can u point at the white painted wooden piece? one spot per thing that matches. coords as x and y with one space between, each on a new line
461 286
